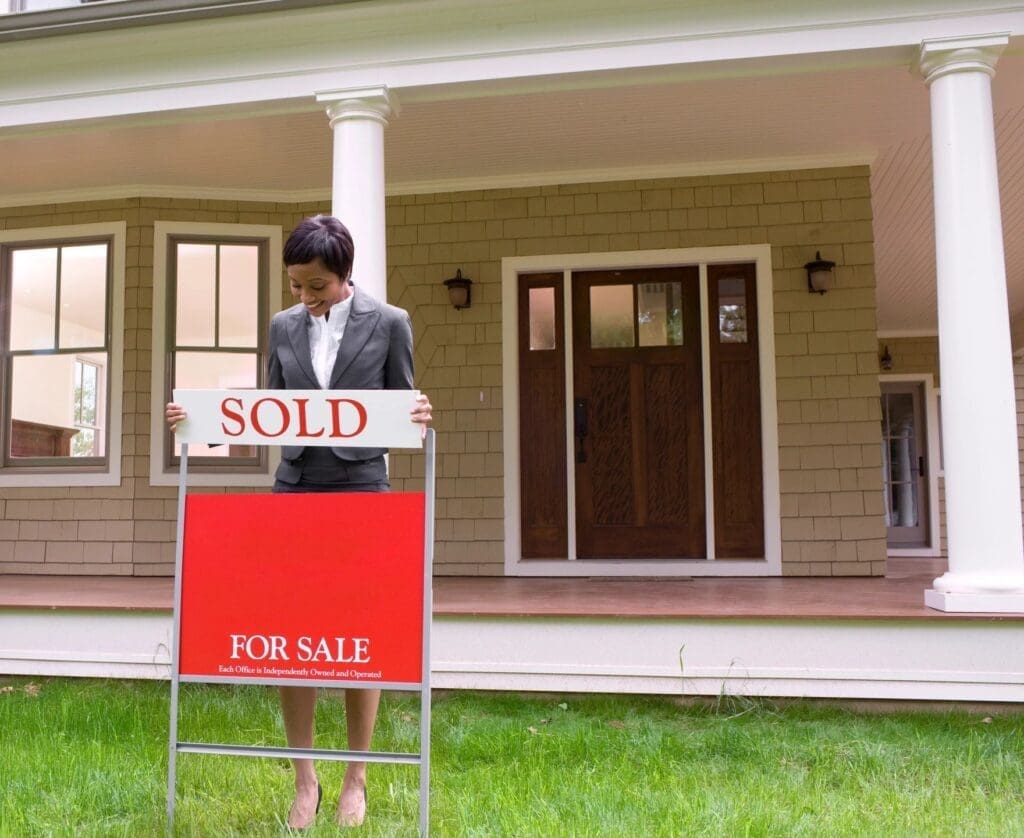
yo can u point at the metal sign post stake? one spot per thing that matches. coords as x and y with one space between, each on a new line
422 758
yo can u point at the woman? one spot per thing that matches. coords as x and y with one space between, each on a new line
337 337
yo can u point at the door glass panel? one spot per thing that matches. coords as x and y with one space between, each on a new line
83 295
611 316
542 318
900 455
196 283
239 294
660 313
732 310
33 298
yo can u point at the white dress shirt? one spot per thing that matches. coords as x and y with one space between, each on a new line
325 333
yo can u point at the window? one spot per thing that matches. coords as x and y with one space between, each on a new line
61 324
215 283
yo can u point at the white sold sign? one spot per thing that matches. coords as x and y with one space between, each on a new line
337 418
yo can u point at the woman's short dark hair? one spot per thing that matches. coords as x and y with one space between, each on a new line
321 237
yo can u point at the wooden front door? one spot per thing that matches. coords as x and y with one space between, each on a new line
637 414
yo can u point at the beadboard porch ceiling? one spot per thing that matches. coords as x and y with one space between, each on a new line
742 117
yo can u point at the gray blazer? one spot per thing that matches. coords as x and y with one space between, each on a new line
375 354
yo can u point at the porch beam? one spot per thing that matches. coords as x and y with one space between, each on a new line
979 423
252 64
358 117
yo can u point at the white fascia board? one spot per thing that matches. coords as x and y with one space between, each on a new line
276 57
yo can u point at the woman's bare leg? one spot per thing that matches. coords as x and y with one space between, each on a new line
298 705
360 715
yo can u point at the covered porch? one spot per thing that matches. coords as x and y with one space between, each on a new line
639 145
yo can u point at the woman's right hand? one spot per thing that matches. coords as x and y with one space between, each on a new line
174 413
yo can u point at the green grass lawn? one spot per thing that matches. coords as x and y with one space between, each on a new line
88 757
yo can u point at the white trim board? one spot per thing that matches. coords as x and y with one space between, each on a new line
429 187
161 231
117 231
246 59
511 267
922 660
933 659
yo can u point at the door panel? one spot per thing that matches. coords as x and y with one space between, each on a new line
736 412
543 476
639 414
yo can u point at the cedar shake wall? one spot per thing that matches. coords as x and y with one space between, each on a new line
127 529
826 359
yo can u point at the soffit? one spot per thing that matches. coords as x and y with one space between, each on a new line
639 126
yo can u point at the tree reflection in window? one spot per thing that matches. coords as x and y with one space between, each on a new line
732 310
87 377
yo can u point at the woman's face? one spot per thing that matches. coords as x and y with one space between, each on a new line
316 287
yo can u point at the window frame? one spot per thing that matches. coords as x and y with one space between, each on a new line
68 471
207 471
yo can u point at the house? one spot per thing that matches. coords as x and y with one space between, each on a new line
645 385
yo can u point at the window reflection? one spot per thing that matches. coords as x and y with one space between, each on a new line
660 313
900 460
732 310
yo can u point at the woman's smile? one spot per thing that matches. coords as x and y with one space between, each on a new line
316 287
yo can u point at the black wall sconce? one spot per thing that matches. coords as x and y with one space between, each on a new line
819 275
885 361
459 288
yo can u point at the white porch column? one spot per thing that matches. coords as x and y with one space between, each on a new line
979 422
358 118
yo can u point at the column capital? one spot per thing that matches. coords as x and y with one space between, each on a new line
973 53
375 103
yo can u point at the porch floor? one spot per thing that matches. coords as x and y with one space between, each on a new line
899 595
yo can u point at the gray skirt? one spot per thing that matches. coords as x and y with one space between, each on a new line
324 472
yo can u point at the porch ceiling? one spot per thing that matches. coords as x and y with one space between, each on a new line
635 125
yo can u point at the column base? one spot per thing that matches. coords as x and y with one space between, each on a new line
975 602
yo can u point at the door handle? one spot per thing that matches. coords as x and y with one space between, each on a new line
920 466
579 412
580 417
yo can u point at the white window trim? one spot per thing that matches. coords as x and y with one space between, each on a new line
162 230
931 420
66 475
511 267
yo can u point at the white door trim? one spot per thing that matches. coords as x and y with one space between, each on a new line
511 267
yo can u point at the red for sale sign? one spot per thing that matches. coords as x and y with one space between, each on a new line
305 587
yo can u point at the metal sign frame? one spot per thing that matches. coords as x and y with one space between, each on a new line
422 758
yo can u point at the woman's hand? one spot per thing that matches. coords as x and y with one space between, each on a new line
175 413
422 412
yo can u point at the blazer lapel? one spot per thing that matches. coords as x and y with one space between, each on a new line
298 335
362 320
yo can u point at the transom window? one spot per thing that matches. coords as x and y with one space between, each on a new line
56 354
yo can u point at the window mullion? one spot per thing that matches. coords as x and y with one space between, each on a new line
56 309
216 297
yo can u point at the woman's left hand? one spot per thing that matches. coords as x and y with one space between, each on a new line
422 412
